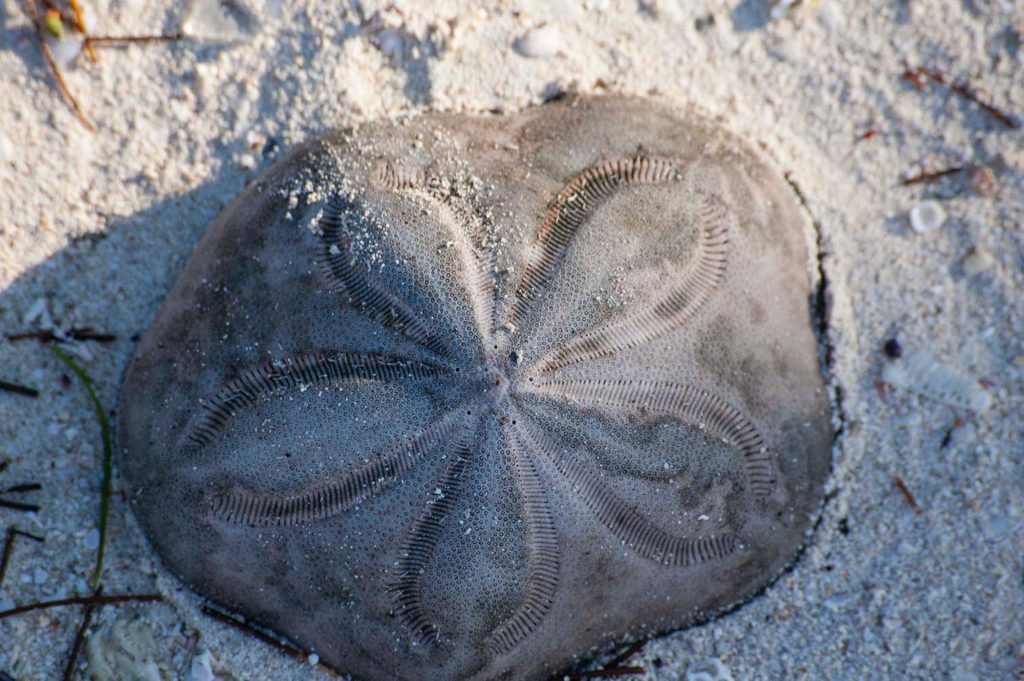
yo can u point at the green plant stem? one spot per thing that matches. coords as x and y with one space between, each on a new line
108 466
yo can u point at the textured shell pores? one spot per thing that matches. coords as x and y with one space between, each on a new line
474 397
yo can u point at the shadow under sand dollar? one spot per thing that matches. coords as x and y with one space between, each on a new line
112 282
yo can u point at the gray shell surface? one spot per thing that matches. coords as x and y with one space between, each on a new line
473 397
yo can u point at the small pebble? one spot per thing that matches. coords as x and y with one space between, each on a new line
983 180
977 262
92 540
6 149
390 43
314 659
541 42
927 216
893 349
271 148
705 22
40 576
837 602
247 162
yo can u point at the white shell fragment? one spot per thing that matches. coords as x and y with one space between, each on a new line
65 50
708 669
125 650
544 41
927 216
977 262
920 371
780 8
201 669
228 21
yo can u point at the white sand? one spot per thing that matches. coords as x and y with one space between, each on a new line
98 225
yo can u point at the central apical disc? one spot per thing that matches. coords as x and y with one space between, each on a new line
463 397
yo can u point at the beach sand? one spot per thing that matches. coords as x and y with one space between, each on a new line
916 570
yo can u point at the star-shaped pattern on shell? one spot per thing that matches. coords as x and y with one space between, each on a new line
469 397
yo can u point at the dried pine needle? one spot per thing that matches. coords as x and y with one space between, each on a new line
80 25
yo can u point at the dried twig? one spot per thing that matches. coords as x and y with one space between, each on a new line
89 43
19 506
115 40
22 488
33 15
931 176
83 600
80 25
18 389
614 667
5 557
108 468
610 673
907 495
921 75
76 647
84 333
12 534
629 652
241 625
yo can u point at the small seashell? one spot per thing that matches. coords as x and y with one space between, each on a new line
541 42
983 180
927 216
921 372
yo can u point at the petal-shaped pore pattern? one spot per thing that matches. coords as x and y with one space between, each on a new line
672 306
471 397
